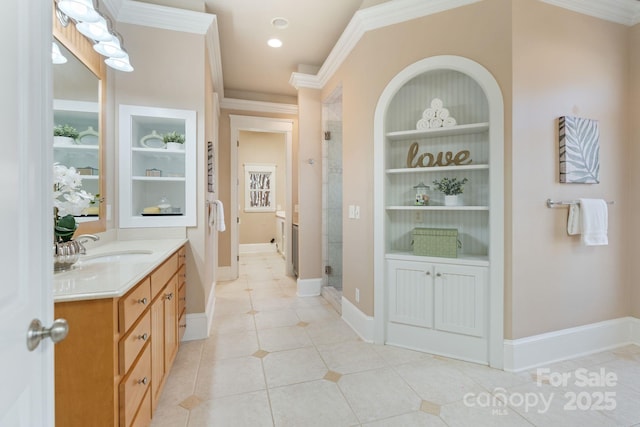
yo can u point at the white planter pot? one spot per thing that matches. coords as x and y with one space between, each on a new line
63 140
174 146
451 200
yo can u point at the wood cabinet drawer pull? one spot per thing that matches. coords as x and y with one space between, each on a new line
169 296
144 336
143 301
182 326
144 381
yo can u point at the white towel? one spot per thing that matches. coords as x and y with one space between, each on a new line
436 103
220 215
449 122
422 124
573 220
443 113
428 114
594 220
435 123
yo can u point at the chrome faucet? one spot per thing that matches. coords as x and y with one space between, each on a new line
84 238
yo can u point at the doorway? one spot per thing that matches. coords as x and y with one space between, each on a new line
332 198
282 127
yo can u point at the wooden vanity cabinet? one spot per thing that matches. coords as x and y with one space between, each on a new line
111 368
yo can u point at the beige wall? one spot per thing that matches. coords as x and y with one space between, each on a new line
632 181
224 173
482 33
170 73
262 148
566 63
310 185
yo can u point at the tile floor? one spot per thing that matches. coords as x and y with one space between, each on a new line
274 359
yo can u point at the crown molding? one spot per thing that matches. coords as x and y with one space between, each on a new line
258 106
626 12
368 19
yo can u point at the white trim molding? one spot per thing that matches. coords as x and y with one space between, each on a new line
362 324
258 106
625 12
199 324
309 287
530 352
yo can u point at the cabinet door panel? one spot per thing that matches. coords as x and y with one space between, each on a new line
170 296
460 300
157 348
410 293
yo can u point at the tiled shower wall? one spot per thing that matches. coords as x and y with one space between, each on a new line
332 191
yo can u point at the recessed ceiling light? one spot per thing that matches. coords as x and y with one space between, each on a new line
274 42
280 23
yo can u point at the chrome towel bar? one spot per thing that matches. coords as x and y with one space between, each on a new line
562 203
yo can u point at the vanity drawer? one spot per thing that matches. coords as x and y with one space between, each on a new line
133 304
161 276
182 298
182 325
182 275
134 386
133 342
143 419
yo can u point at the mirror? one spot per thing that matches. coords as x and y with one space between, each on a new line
78 101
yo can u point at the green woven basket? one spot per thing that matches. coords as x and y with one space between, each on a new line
437 242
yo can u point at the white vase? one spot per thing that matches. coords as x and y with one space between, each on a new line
63 140
174 146
451 200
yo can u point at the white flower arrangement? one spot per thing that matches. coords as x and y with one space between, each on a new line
68 200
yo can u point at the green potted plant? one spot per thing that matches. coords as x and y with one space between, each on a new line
65 134
451 187
173 140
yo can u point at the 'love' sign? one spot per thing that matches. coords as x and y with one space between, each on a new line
427 160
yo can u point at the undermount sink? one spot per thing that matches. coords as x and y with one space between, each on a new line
122 256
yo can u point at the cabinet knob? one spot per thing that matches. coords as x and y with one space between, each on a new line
182 326
428 273
144 381
143 301
144 336
439 275
169 296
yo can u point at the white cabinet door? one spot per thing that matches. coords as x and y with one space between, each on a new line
410 293
26 388
438 308
460 296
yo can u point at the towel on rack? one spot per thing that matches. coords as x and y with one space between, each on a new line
220 215
573 220
594 220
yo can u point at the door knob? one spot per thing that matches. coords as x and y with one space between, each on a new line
36 333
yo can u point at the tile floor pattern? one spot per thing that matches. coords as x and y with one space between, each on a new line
274 359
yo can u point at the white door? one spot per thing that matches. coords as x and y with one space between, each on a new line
26 388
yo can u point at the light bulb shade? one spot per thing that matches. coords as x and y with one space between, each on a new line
110 49
120 64
79 10
56 56
98 31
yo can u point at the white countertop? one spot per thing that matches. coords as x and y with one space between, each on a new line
93 280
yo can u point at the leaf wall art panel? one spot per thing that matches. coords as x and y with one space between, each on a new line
579 150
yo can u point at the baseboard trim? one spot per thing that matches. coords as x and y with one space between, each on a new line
362 324
199 324
527 353
255 248
309 287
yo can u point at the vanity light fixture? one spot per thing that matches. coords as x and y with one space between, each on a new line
56 56
98 31
79 10
120 64
95 27
274 42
